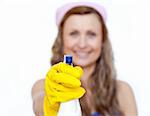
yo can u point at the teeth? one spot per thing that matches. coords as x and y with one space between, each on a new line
82 54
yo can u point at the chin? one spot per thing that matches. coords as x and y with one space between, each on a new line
82 63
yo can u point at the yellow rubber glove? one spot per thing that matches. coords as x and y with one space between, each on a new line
62 84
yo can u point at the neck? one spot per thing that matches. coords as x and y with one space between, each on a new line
84 80
88 70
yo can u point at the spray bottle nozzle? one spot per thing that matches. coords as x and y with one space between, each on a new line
68 59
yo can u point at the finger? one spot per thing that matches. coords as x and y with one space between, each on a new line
66 96
59 87
66 80
65 68
79 72
51 87
50 73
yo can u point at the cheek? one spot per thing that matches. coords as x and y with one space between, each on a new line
97 43
97 48
97 51
68 45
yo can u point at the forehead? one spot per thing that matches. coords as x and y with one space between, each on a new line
82 21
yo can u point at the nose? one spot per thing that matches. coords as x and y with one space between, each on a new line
82 42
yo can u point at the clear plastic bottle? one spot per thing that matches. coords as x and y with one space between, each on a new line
70 108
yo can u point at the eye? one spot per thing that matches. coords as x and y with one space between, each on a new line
73 33
91 34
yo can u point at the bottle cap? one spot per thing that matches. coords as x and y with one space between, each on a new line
68 59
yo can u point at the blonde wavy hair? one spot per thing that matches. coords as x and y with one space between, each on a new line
103 85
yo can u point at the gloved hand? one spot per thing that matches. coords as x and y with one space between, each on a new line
62 84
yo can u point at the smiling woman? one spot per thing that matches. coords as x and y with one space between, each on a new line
83 34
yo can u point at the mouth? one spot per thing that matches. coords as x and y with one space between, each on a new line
82 54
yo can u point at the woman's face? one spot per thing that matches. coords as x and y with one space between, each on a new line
82 38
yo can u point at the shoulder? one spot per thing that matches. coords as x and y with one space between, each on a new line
38 87
124 91
123 87
126 98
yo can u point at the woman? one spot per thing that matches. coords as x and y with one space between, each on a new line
83 34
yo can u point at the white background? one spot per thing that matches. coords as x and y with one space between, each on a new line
27 32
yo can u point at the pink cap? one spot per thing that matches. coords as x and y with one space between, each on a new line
65 8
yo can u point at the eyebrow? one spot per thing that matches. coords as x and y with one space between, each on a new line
91 31
73 30
87 31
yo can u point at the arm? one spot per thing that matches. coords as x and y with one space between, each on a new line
62 83
126 99
38 97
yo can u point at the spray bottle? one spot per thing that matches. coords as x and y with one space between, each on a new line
70 108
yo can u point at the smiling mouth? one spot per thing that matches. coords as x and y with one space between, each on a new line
82 54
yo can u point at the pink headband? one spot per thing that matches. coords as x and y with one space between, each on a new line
65 8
